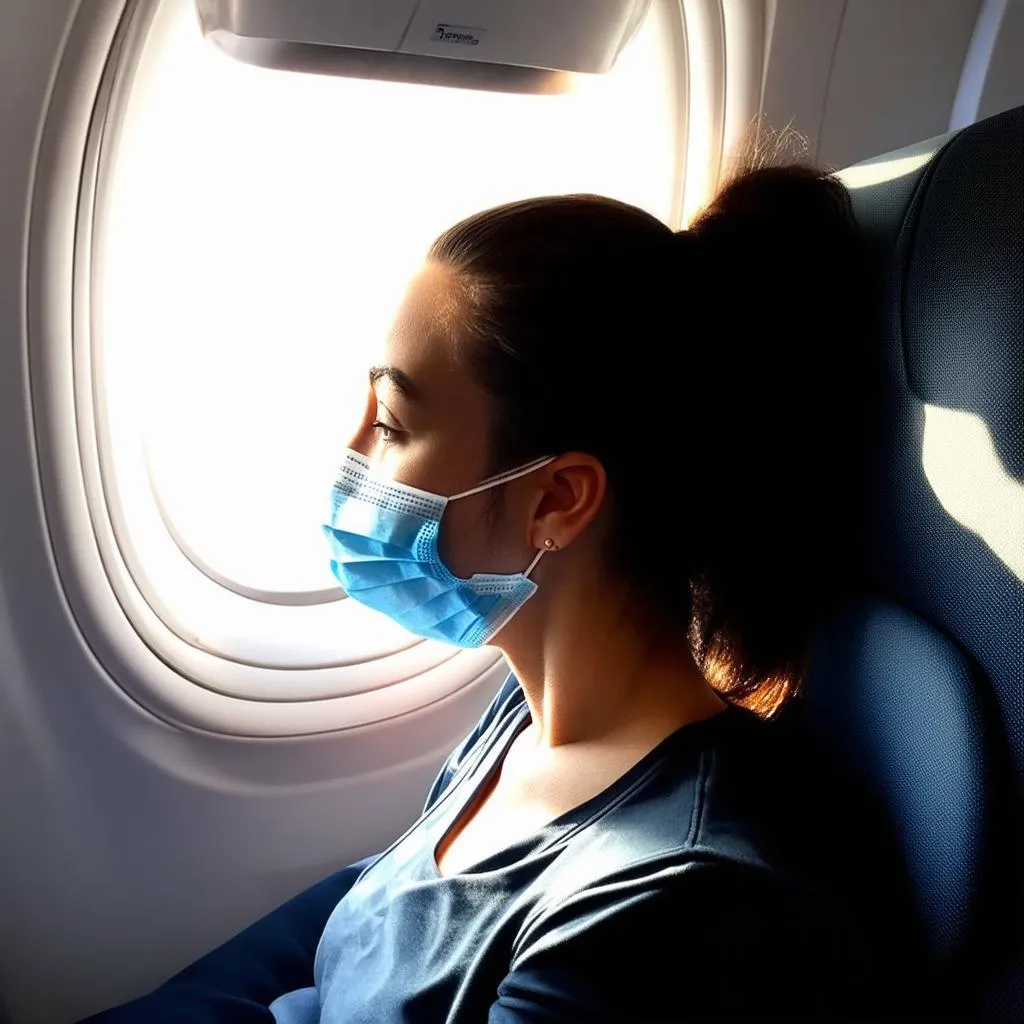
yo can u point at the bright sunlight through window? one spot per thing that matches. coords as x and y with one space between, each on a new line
258 230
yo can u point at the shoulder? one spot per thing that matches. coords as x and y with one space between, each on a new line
745 863
703 938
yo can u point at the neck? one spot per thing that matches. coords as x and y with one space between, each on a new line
590 674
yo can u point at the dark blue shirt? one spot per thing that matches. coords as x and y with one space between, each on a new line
726 875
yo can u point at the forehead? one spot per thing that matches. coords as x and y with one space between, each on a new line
426 323
424 343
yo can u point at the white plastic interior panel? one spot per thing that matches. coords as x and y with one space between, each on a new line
896 64
378 25
861 77
560 35
366 24
1004 81
799 63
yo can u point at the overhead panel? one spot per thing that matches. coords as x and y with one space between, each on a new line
373 25
550 35
558 35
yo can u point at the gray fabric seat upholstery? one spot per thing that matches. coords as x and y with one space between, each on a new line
920 685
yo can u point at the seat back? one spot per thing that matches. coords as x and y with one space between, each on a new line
920 685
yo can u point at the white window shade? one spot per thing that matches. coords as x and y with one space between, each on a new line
253 233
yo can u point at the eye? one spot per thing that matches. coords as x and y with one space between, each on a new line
387 434
383 423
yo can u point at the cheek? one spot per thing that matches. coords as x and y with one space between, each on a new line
476 539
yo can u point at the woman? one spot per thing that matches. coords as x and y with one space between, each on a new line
632 459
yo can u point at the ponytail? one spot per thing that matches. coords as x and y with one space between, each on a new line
787 467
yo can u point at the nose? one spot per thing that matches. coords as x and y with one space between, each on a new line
364 437
362 441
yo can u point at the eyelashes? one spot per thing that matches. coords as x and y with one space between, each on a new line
386 433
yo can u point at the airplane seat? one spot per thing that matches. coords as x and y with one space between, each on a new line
919 686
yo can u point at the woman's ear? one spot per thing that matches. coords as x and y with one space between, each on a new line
575 485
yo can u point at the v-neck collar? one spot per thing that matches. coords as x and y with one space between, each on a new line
559 829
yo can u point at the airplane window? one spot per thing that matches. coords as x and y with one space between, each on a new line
254 232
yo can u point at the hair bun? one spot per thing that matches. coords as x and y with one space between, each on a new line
776 209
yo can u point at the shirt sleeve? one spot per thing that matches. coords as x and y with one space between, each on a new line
236 982
706 941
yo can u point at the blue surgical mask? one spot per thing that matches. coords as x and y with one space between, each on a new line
384 535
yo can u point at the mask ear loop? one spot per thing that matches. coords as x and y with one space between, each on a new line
505 478
533 564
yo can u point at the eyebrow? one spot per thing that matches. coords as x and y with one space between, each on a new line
399 378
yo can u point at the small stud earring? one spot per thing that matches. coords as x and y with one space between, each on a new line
550 545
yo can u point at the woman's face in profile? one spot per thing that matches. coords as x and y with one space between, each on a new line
427 423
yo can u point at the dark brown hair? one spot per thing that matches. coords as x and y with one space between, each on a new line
717 373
